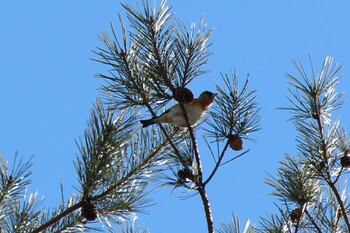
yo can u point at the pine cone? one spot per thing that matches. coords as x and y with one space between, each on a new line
235 141
315 115
89 211
185 174
321 166
122 52
9 180
295 215
345 161
183 95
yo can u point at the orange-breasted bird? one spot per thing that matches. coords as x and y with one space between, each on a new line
174 115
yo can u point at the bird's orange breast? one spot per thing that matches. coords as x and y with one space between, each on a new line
204 104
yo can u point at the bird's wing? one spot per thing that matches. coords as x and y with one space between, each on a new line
166 112
173 111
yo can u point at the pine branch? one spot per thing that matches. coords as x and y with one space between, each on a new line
274 223
14 211
58 217
199 176
328 179
126 228
192 46
13 182
317 228
235 227
217 164
105 178
321 106
312 102
315 97
155 39
162 57
236 111
207 208
236 115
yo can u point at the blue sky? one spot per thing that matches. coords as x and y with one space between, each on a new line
47 88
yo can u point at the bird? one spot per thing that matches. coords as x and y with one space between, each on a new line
174 116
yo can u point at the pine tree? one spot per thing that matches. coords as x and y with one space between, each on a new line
311 186
150 64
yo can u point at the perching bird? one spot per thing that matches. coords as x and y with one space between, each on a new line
174 115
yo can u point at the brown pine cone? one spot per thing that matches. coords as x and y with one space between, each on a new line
183 95
89 211
185 174
295 215
345 161
235 141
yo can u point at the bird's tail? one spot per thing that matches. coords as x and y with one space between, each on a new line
146 123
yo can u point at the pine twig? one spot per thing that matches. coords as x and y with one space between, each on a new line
218 163
59 217
329 179
207 208
312 221
103 194
199 182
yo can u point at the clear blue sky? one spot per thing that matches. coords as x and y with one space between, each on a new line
47 88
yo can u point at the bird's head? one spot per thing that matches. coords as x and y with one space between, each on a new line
207 95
